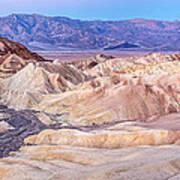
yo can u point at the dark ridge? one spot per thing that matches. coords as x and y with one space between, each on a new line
25 123
10 47
122 46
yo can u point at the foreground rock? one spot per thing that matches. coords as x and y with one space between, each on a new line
64 162
153 131
15 126
100 152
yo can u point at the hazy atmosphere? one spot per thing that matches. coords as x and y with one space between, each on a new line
96 9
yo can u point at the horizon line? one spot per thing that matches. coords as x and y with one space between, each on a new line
85 19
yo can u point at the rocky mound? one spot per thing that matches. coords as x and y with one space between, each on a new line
122 45
14 56
154 63
27 86
10 47
100 105
156 131
91 62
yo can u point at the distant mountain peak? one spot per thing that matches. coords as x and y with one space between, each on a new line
40 32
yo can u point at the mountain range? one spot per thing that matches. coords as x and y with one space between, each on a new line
61 33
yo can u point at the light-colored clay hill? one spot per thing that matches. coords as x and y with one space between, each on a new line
66 162
120 96
26 87
91 62
154 63
104 118
131 150
105 105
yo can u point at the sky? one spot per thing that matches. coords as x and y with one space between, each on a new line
96 9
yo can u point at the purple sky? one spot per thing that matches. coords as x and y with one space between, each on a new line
96 9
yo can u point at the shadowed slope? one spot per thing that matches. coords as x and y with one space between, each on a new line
14 56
